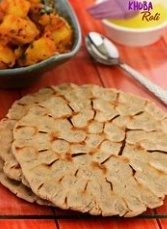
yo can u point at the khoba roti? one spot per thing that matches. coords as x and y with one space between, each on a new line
19 108
94 150
10 172
20 189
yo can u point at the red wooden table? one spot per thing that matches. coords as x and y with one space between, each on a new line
151 61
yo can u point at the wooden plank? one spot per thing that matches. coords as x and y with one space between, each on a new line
102 223
12 206
86 21
7 97
27 224
74 71
114 224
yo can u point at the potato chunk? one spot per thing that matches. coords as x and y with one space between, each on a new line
63 38
18 7
39 50
18 30
7 57
60 31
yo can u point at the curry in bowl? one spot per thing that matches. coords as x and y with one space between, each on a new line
29 34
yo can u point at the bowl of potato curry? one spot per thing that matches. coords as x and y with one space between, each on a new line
34 39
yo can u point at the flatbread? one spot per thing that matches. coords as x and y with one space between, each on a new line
18 110
95 150
19 189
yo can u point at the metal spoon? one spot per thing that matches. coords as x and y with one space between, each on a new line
105 52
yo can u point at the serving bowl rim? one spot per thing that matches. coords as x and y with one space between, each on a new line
134 30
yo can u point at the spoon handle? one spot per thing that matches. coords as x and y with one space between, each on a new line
155 89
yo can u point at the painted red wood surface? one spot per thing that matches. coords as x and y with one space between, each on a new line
150 61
